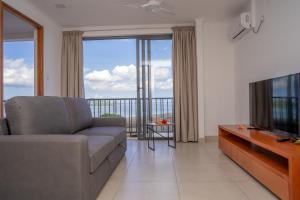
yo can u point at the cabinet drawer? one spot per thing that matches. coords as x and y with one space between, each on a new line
271 180
242 159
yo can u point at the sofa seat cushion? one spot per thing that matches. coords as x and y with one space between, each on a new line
118 133
99 149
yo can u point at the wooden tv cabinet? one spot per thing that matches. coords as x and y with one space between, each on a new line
275 165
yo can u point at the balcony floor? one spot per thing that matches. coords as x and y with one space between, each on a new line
191 172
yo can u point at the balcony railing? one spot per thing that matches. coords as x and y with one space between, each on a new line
132 110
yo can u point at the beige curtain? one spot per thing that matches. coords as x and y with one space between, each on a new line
185 84
72 65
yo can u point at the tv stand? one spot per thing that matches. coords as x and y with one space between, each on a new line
275 165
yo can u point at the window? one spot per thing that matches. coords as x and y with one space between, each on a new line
18 69
130 77
162 74
110 68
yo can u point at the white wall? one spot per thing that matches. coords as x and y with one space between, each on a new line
219 77
52 44
275 51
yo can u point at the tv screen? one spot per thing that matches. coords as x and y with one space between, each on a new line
274 104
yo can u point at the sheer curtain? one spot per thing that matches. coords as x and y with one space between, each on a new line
72 65
185 84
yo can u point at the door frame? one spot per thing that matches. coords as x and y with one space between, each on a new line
39 51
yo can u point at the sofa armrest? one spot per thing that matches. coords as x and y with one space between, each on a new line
44 167
109 121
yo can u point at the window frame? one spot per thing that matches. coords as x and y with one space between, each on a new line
156 37
39 51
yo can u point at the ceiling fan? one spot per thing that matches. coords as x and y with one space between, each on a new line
154 6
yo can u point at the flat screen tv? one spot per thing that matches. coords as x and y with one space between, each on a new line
274 105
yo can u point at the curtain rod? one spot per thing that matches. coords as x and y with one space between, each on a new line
124 28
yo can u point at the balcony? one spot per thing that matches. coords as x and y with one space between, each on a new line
136 112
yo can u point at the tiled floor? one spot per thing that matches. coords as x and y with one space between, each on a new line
191 172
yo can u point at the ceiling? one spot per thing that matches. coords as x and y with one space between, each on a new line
16 28
110 12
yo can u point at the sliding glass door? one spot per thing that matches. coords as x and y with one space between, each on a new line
155 81
130 77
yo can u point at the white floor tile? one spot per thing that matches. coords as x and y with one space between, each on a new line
109 191
210 191
148 191
192 171
255 191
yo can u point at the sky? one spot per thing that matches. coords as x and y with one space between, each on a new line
18 69
109 68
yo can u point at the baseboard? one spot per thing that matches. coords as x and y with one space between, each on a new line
201 140
211 138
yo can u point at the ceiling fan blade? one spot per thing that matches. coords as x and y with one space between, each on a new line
131 6
152 3
167 11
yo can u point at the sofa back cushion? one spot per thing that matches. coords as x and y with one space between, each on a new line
3 127
79 112
37 115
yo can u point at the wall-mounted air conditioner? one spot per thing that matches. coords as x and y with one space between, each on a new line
251 19
241 26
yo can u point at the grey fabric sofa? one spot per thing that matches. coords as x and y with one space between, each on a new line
52 149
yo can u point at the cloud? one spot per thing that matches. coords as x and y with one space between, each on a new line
164 85
161 73
123 78
120 78
124 72
161 63
17 73
95 76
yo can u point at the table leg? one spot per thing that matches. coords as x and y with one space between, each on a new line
174 138
168 136
150 134
148 138
153 138
174 135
